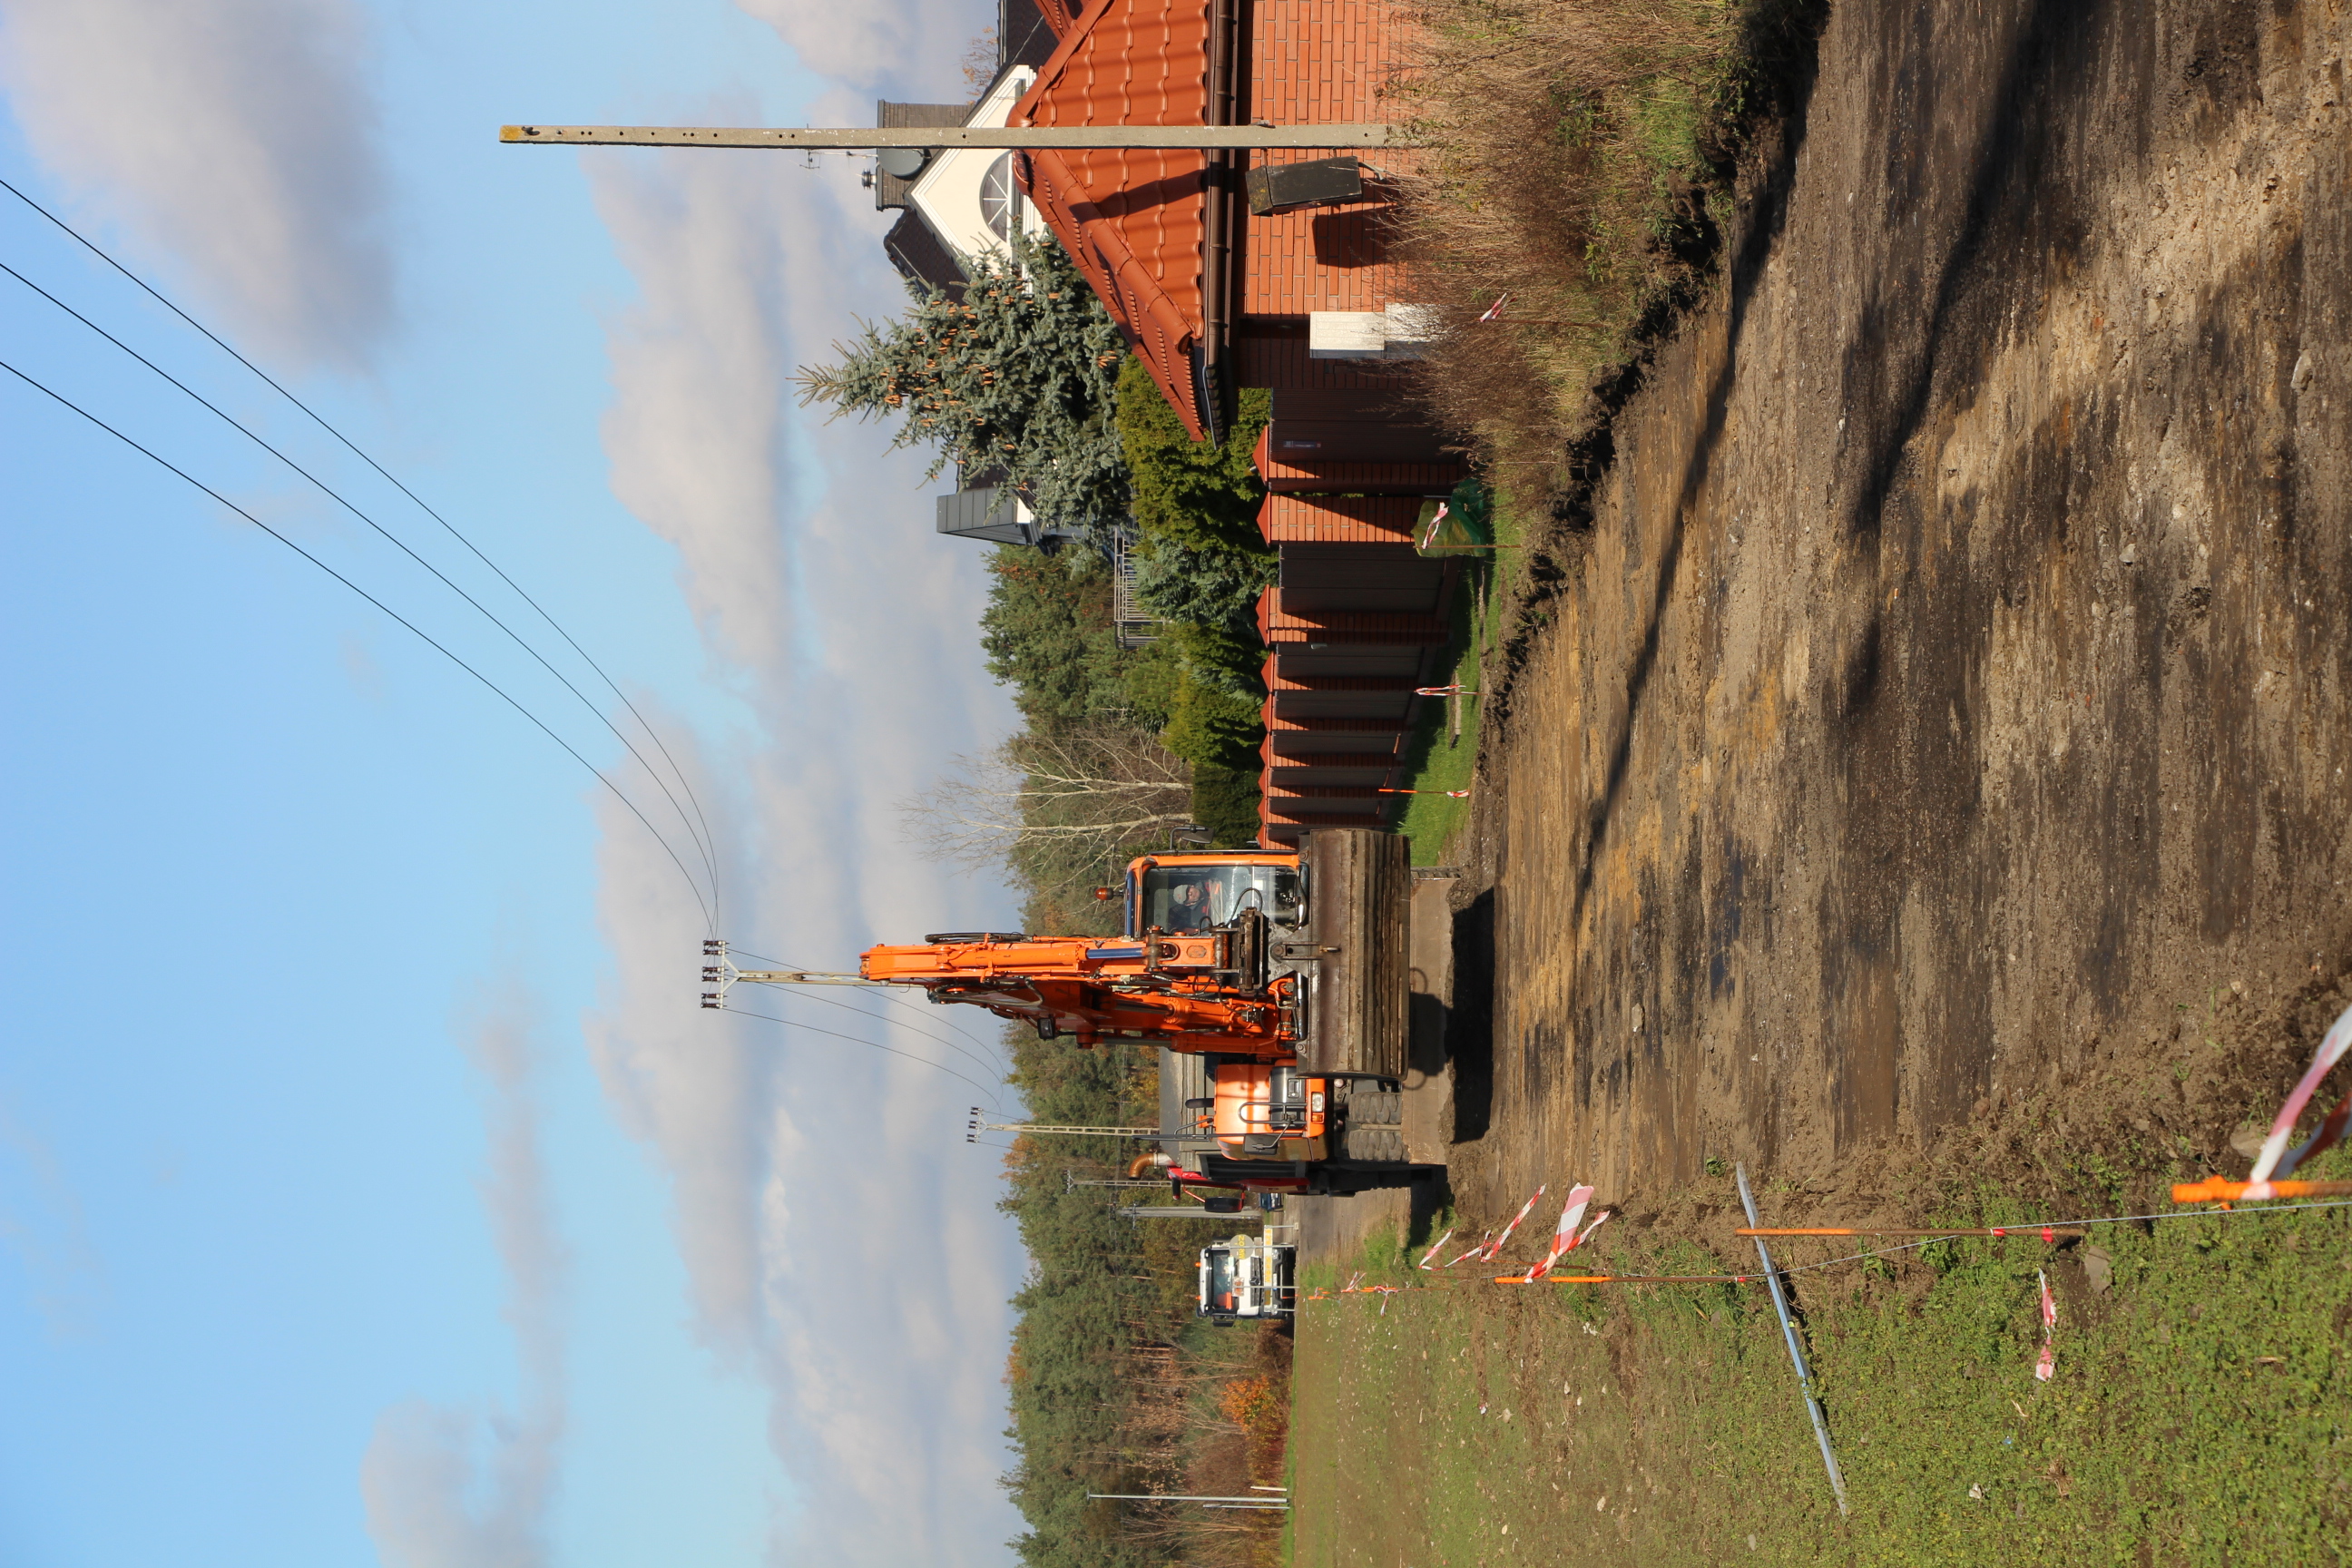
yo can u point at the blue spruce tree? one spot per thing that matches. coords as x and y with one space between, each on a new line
1015 383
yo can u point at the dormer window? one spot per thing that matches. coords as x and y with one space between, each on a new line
1000 199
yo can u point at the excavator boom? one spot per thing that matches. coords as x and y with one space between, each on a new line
1179 990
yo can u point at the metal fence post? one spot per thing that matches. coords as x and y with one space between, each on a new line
1788 1333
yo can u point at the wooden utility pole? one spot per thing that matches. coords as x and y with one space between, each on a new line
1169 138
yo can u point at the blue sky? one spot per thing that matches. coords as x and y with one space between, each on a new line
372 1188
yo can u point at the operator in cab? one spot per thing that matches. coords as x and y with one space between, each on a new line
1177 898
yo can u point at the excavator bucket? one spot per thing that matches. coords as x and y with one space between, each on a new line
1354 962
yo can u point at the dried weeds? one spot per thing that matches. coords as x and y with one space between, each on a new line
1572 148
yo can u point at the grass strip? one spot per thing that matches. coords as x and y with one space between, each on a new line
2198 1413
1436 760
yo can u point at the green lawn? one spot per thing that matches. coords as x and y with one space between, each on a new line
1435 758
2199 1412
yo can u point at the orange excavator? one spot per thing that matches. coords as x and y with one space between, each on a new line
1285 976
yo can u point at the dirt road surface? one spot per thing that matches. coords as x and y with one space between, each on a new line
1950 694
1948 702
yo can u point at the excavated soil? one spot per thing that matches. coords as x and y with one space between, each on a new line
1937 739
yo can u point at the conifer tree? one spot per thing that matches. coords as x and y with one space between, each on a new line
1017 379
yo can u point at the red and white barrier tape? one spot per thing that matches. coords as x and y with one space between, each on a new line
1525 1209
1477 1251
2049 1362
1565 1238
1433 1246
1433 521
2276 1161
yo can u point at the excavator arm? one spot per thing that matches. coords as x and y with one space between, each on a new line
1192 991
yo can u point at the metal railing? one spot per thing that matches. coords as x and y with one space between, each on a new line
1131 625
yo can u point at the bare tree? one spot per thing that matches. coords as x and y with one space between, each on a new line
1059 802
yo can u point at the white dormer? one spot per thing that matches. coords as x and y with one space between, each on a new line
968 195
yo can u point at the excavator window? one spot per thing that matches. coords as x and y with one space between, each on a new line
1194 898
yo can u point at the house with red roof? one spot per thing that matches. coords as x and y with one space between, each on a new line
1226 274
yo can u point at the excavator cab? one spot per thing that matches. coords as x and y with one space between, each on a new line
1175 893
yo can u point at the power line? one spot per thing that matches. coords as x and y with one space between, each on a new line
805 994
692 885
1001 1059
320 420
703 848
794 1023
893 995
890 995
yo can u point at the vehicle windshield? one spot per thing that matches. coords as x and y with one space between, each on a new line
1218 1297
1190 898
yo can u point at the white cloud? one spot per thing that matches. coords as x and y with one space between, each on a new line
236 136
909 46
840 1237
445 1488
448 1486
41 1221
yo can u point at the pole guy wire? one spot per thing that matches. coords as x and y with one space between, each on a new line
1772 1282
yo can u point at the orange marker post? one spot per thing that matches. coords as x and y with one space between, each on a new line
2218 1191
1521 1278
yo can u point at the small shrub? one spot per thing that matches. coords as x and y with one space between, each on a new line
1225 801
1201 494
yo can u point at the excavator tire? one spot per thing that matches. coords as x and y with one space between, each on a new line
1374 1130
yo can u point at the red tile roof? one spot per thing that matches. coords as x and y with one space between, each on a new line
1132 221
1301 473
1287 518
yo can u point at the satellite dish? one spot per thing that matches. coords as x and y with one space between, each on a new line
903 163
